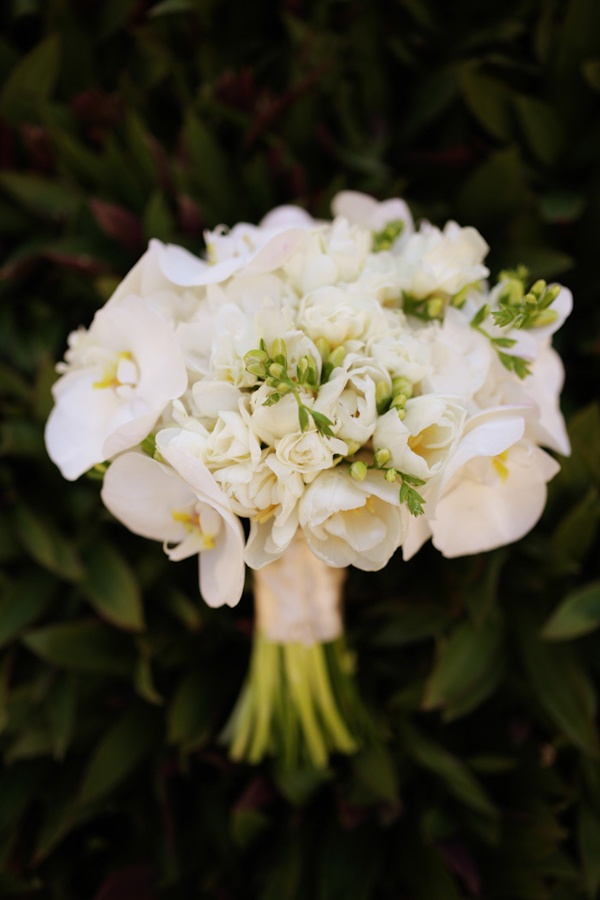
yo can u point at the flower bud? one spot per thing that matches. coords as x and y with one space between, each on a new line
279 352
337 357
323 347
401 412
538 288
434 307
352 447
550 296
358 470
402 385
382 397
381 457
543 317
391 475
276 370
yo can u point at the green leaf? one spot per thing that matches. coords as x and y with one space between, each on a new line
46 545
209 166
23 602
410 623
170 7
577 615
247 825
32 82
82 647
61 707
588 839
591 72
489 101
480 199
121 749
190 711
112 589
374 769
18 786
542 127
157 219
42 196
459 781
563 689
470 657
576 532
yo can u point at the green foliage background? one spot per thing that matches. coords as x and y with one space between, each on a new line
127 119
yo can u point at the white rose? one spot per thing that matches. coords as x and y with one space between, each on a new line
448 260
339 315
309 452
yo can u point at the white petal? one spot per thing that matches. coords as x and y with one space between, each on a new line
183 268
143 493
222 568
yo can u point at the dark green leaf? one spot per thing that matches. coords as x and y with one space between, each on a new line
588 839
46 545
32 82
577 615
121 749
22 603
112 589
562 687
82 647
470 657
42 196
489 101
459 781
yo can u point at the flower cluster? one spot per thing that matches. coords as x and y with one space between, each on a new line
357 379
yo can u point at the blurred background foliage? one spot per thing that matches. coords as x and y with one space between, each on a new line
122 120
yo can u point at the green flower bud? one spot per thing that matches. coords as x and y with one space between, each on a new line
434 307
358 470
352 447
512 292
550 296
381 457
398 402
401 413
279 352
256 368
391 475
276 370
402 385
543 317
538 288
323 347
382 397
337 357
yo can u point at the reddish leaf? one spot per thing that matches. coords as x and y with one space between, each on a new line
118 223
130 883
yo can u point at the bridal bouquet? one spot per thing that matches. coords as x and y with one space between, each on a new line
342 389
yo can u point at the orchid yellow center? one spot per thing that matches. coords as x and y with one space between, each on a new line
111 378
499 465
191 523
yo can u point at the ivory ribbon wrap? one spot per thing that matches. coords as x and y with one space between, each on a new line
299 597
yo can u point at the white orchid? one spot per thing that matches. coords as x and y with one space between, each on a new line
119 377
189 515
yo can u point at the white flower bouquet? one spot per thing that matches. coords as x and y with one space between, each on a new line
346 388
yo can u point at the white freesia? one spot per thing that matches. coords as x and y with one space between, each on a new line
119 377
423 442
339 315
